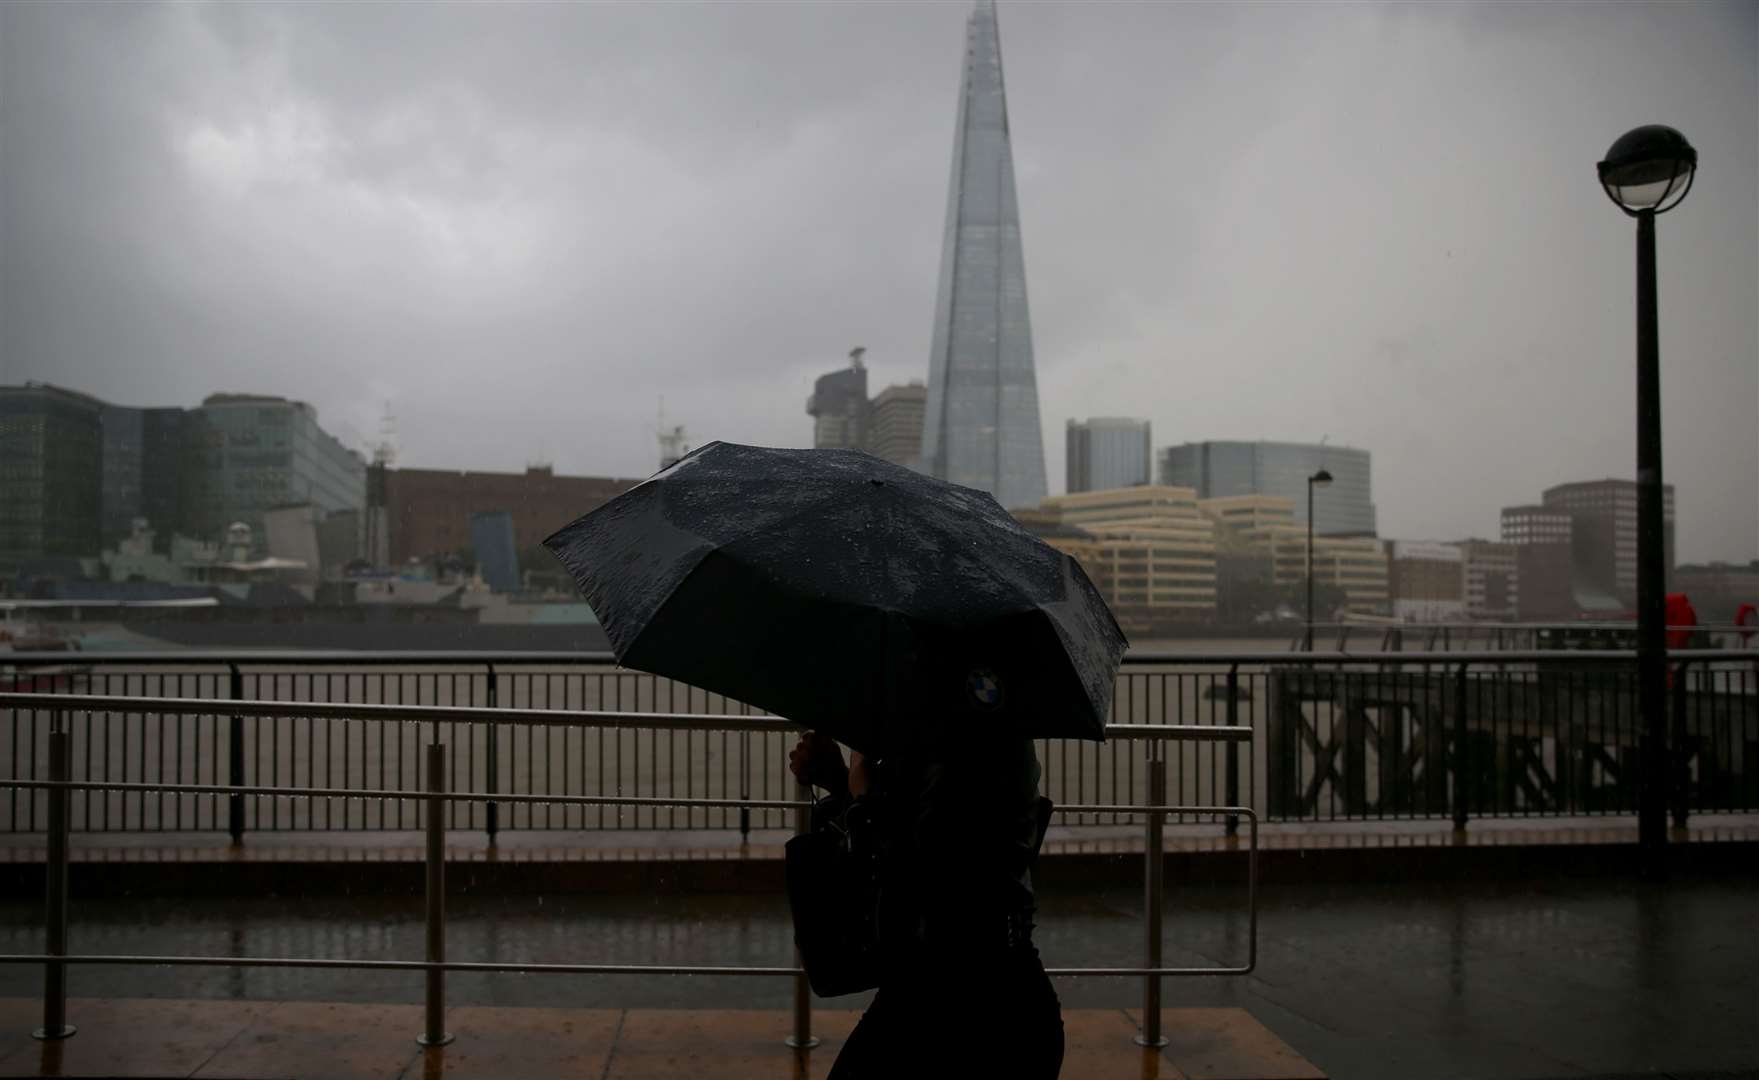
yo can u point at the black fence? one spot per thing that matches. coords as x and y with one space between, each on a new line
1335 737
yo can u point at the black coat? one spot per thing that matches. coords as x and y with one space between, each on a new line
952 834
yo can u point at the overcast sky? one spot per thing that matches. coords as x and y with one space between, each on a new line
521 225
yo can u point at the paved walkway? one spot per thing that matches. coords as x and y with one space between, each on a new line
337 1041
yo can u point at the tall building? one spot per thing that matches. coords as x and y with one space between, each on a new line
1152 548
1492 579
894 424
1109 452
429 511
1217 470
838 407
1525 525
249 453
1540 537
1603 533
143 472
51 474
1258 534
981 427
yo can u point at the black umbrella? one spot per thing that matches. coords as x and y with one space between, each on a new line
848 594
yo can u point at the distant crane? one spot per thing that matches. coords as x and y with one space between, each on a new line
674 444
375 533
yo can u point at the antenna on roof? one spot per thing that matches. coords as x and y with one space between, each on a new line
673 442
385 450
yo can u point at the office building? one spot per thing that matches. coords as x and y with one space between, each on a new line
894 424
1258 534
1109 452
1603 533
1150 546
1540 537
1492 580
1426 582
143 457
51 474
981 424
838 407
1048 525
249 453
429 511
1216 470
1524 525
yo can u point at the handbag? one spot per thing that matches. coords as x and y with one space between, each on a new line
833 891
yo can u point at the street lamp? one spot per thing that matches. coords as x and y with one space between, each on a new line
1648 172
1318 479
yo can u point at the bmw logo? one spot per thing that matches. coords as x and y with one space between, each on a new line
984 688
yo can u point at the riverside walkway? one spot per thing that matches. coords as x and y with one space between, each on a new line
1560 971
337 1041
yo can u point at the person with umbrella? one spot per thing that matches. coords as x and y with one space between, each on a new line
916 622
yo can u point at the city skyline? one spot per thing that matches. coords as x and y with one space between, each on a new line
280 217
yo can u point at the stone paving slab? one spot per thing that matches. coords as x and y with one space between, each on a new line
225 1040
1227 1044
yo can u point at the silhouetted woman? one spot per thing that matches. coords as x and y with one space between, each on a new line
955 826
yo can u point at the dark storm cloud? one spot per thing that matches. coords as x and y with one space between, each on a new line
522 225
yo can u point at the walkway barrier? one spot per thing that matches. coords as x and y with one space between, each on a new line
434 801
1340 736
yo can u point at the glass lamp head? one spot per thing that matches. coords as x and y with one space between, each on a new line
1649 170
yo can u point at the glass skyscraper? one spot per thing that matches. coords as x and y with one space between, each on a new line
981 427
246 454
1345 507
1109 452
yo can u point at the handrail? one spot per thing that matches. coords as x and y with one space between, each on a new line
424 714
435 795
356 658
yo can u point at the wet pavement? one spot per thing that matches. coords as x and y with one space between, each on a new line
227 1040
1533 979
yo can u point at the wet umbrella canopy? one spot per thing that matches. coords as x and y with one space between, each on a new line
847 594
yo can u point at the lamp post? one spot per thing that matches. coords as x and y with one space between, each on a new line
1647 172
1318 479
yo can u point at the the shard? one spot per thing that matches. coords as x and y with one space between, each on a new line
981 428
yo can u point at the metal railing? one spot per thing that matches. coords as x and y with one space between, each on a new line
1340 736
1389 636
435 798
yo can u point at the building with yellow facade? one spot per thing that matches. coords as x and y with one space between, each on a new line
1260 531
1149 548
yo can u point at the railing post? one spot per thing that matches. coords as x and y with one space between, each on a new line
744 785
1462 756
492 816
55 1025
1155 867
1232 797
435 1033
235 764
1681 772
802 1039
